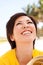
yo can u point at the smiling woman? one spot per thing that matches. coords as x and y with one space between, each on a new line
21 33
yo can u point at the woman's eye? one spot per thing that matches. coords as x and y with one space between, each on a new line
18 23
29 22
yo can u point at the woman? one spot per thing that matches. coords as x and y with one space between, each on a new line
21 33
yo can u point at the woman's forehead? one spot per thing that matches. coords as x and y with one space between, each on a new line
23 18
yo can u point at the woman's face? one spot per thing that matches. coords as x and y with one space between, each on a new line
24 30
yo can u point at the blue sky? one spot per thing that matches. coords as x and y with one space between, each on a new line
8 8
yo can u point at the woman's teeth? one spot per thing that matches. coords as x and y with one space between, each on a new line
26 32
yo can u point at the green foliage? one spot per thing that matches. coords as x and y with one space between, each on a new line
36 11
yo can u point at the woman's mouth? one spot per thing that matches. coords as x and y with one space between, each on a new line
26 32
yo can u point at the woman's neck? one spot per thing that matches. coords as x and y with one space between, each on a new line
24 52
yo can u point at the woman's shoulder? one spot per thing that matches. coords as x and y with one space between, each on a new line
8 58
37 53
9 53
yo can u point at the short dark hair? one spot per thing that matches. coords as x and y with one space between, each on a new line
10 26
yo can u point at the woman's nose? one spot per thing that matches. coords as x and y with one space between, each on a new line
25 26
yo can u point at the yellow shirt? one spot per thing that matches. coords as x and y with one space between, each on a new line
10 57
37 53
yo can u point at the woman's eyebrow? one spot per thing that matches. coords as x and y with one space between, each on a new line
29 20
19 21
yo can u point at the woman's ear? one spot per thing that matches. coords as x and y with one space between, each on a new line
12 37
